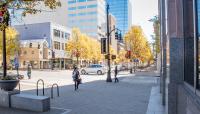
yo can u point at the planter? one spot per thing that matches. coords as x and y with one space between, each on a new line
8 85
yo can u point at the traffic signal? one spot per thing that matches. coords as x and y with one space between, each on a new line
116 35
128 54
120 36
103 45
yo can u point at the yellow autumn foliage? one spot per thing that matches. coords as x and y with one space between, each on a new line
12 42
88 47
137 43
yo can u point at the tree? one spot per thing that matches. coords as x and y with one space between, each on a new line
12 42
87 47
121 56
156 26
26 6
136 42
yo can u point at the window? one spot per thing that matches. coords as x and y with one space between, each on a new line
72 8
81 7
25 52
81 14
92 6
30 45
62 34
32 52
72 2
56 33
81 0
56 45
24 62
63 46
71 15
198 40
188 44
92 13
67 35
38 46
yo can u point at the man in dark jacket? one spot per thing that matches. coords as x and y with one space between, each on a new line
116 72
76 77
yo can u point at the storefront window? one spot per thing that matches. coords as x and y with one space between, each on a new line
198 29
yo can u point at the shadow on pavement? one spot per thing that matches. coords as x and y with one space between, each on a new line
96 97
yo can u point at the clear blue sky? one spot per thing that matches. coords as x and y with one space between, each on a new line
143 10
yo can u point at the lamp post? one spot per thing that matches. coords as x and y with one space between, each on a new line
4 23
108 43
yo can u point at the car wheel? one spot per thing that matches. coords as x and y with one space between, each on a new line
99 72
83 72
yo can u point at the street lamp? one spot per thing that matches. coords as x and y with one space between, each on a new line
4 23
108 43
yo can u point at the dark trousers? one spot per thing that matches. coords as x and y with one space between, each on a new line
76 83
116 79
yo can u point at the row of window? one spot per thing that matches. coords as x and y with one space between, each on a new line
83 14
75 1
59 46
82 7
82 21
31 45
61 34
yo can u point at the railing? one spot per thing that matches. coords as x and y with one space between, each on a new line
52 90
42 84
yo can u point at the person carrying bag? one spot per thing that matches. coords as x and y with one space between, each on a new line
76 78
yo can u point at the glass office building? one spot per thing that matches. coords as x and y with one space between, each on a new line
87 15
122 10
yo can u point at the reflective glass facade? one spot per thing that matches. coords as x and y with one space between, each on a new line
121 9
87 15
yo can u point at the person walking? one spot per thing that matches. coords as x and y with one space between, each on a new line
29 71
76 77
116 72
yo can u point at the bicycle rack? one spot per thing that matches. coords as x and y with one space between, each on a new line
52 90
19 87
42 84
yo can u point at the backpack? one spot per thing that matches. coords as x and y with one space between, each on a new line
75 74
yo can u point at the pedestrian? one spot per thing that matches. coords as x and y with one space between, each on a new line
76 77
29 71
116 72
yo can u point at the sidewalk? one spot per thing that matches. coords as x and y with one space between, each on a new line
130 96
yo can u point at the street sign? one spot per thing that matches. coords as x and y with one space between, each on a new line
113 57
103 45
106 57
136 60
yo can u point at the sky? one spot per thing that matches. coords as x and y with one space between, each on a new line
143 10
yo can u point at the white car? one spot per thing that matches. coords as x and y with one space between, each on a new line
94 68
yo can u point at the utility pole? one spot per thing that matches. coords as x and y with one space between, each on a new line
108 44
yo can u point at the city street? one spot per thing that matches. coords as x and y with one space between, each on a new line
95 96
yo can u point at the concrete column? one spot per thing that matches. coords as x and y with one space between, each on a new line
60 64
176 39
64 64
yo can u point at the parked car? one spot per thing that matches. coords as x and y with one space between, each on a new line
94 68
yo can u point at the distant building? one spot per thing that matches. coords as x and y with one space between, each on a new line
36 53
112 25
88 15
122 10
55 35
